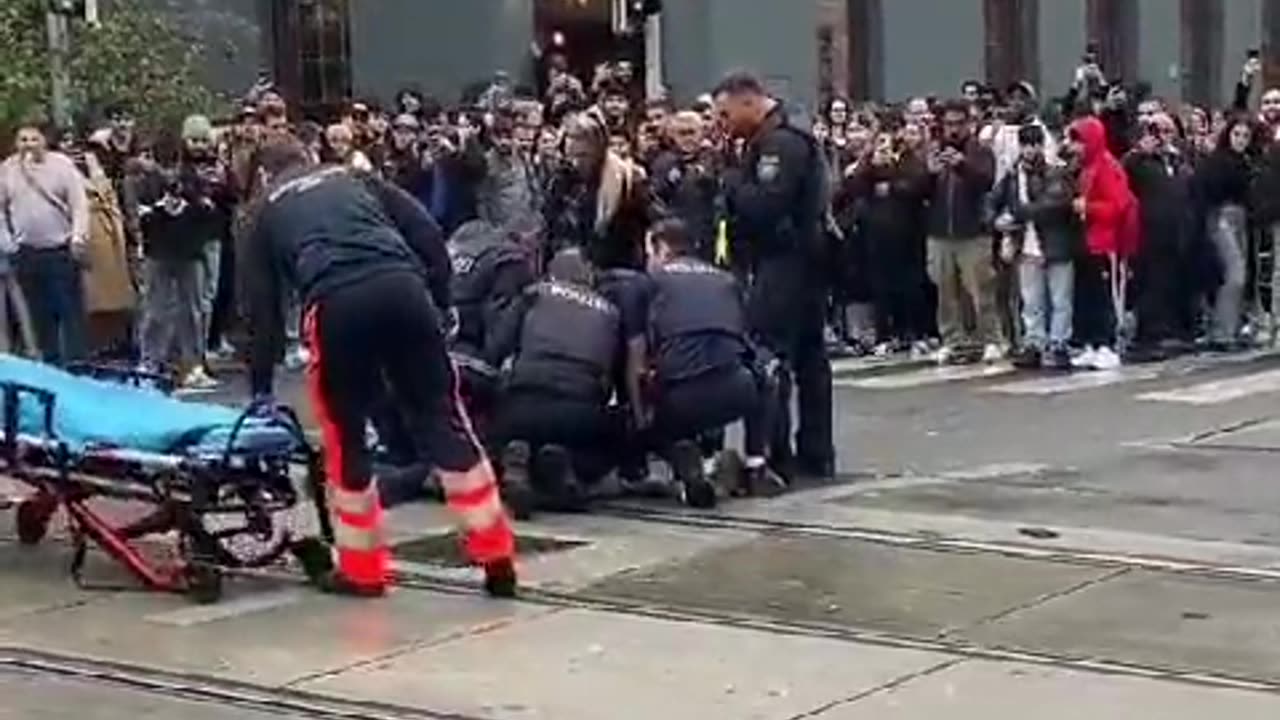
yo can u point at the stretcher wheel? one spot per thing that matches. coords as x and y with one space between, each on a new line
33 521
204 583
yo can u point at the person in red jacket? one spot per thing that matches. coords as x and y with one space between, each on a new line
1109 211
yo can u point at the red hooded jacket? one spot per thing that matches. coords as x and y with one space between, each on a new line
1111 209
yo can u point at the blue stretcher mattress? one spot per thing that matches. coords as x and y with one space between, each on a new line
92 413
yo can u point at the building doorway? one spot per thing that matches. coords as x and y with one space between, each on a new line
579 35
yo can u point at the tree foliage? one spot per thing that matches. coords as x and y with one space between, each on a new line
136 56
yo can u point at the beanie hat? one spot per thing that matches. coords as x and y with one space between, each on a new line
197 127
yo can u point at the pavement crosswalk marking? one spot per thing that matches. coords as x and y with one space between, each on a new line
1061 384
1219 391
926 377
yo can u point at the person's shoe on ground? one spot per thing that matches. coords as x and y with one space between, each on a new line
517 488
557 484
690 476
1027 358
500 579
762 482
1058 359
1106 359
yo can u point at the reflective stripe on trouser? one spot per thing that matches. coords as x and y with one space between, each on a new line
473 496
363 557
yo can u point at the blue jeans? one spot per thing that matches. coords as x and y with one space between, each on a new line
1048 290
50 279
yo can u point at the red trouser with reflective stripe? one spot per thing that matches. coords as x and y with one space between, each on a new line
383 336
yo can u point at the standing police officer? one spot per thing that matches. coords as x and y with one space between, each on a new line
777 196
706 374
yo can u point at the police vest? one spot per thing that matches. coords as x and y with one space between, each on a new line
693 297
567 327
476 260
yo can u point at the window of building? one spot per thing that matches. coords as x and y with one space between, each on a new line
313 53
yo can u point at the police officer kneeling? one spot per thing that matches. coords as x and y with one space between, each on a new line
490 273
706 374
554 421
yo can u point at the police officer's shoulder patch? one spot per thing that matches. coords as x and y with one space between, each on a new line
768 168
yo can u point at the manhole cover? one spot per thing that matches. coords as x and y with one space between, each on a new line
446 548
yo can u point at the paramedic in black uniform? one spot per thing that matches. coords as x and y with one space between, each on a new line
373 273
777 194
705 372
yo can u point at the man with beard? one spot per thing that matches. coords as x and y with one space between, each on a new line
403 164
685 183
185 214
777 196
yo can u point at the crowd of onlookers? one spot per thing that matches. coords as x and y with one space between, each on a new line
1065 230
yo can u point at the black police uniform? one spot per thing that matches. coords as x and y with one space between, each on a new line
777 198
685 188
372 270
560 382
705 368
490 271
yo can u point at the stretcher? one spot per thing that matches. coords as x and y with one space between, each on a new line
237 488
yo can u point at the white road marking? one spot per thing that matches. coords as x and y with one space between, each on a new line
1060 384
925 377
191 616
1219 391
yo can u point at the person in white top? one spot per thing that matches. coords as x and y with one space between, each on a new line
44 212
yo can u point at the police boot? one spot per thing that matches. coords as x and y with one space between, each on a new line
517 491
500 578
692 485
559 486
762 482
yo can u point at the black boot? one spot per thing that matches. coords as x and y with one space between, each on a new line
517 491
557 481
691 478
1027 358
500 578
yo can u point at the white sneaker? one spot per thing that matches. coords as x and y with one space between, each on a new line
993 354
1105 359
1085 360
884 349
198 379
944 355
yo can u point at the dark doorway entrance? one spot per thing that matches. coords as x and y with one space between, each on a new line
582 34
